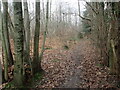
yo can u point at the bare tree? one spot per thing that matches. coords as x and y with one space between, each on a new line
18 64
6 34
46 30
27 31
36 63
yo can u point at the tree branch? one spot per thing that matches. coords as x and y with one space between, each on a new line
85 18
80 13
91 8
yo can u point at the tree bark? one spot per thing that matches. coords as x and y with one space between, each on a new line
6 34
36 63
5 60
117 47
46 30
27 32
18 23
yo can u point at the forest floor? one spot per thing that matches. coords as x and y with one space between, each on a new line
73 64
77 66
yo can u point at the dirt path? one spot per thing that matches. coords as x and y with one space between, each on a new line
74 80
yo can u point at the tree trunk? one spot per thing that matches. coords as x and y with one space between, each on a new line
5 60
6 34
18 23
36 63
27 32
50 10
46 30
117 47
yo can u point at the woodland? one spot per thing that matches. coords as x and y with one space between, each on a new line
59 44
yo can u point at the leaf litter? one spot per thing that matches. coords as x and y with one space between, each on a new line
77 67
